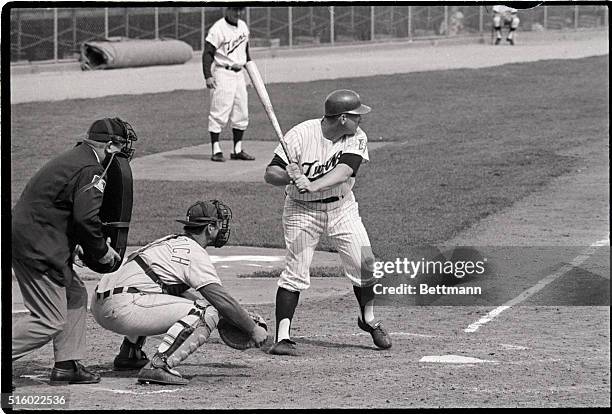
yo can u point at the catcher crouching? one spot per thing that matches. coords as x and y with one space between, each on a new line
149 295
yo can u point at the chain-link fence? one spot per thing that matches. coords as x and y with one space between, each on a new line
42 34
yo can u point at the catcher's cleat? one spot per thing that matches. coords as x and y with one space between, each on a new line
380 336
158 372
218 157
77 375
497 40
511 41
284 347
131 357
242 156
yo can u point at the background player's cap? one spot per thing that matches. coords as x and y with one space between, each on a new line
344 101
200 214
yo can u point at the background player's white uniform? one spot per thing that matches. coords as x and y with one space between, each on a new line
229 100
504 15
334 211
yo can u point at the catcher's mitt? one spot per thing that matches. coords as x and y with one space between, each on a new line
234 336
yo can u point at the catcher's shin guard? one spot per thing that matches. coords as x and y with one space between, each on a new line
187 334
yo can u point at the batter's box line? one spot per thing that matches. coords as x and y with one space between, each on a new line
364 334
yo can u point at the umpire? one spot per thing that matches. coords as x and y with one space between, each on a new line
58 210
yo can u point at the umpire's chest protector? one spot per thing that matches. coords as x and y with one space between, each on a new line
116 210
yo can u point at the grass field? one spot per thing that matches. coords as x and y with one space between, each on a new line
461 149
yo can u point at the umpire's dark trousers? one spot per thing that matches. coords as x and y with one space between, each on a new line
56 313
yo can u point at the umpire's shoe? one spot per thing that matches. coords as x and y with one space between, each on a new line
284 347
380 336
158 372
498 40
131 356
77 375
218 156
242 156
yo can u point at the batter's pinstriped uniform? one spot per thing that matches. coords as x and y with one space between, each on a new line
306 216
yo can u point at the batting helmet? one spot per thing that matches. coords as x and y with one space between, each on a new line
344 101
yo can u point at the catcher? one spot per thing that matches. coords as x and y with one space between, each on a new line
149 295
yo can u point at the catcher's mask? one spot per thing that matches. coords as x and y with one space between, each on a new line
116 130
202 213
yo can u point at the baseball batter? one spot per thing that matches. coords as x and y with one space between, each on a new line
325 155
225 53
149 295
507 16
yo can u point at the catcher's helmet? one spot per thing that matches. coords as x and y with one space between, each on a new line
344 101
202 213
115 130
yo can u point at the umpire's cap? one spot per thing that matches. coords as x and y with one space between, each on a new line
200 214
344 101
111 129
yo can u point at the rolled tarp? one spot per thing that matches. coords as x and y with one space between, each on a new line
128 53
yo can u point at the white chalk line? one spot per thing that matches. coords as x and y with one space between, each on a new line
363 334
575 262
114 391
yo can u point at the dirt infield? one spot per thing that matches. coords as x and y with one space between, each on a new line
527 355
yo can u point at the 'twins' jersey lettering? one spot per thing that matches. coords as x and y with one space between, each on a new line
317 156
315 169
230 42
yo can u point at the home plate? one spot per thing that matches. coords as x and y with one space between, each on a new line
453 359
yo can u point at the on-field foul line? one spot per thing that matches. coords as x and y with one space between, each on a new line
576 261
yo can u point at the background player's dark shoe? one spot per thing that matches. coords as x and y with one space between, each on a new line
218 157
284 347
131 357
511 41
380 336
497 41
242 156
78 375
158 372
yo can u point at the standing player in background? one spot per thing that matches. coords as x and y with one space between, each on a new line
58 209
325 156
504 15
225 53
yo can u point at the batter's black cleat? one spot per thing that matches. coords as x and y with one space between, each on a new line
284 347
380 336
158 372
242 156
218 157
511 41
131 356
77 375
497 40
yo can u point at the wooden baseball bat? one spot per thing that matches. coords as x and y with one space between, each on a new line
262 92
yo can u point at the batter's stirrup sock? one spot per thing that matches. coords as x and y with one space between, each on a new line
286 302
365 297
